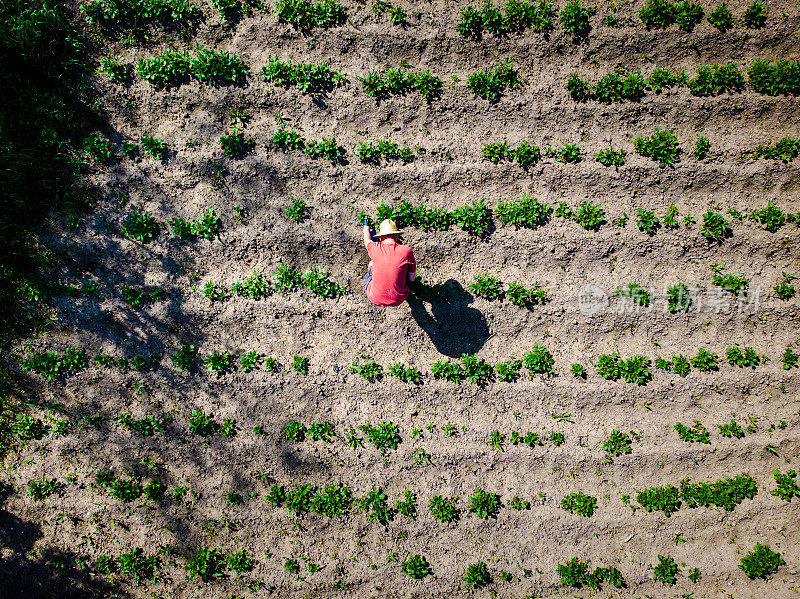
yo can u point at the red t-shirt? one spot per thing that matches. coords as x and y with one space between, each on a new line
390 264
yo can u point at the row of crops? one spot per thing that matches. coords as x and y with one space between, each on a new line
515 16
537 361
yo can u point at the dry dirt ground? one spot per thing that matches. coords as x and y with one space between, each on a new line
355 555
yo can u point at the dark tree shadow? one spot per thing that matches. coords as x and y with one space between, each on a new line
453 327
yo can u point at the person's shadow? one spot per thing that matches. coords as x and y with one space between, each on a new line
454 328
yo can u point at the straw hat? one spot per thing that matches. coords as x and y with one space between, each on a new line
388 227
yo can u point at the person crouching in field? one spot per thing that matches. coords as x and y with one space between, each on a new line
391 266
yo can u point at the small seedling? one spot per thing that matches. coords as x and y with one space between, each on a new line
476 575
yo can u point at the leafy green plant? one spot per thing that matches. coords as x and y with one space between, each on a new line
575 19
370 369
495 151
334 500
444 510
300 364
40 488
51 364
579 503
155 147
508 371
168 68
284 137
405 373
657 14
620 85
484 504
384 436
731 430
185 357
688 14
754 16
487 286
416 566
135 564
662 78
399 81
704 361
761 562
521 296
679 298
206 564
745 359
141 226
202 424
662 147
638 294
617 443
715 227
647 221
664 499
218 361
524 212
701 147
787 486
492 82
666 570
306 14
568 153
771 216
721 17
321 431
476 575
785 149
697 433
789 359
716 79
449 371
475 369
308 78
579 89
125 489
589 216
734 283
294 431
473 218
376 506
98 148
539 360
326 148
146 426
611 157
408 505
115 69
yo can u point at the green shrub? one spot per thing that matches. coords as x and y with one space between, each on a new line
704 361
285 137
334 500
484 504
611 157
647 221
239 561
98 148
306 14
698 433
449 371
206 564
416 566
688 14
569 152
233 143
754 16
761 562
578 371
660 499
476 575
771 216
617 443
168 68
508 371
638 294
721 17
579 89
657 14
399 81
133 563
125 489
218 361
326 148
680 365
662 147
731 430
40 488
678 298
787 486
384 436
486 286
444 510
620 85
780 78
308 78
154 147
730 282
575 18
407 506
492 82
785 289
715 227
521 296
589 216
141 226
539 360
609 366
185 357
716 79
51 364
747 359
473 218
701 147
785 149
666 570
661 78
405 373
579 503
524 212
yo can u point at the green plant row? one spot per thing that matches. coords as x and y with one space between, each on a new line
327 148
400 81
516 17
173 67
308 78
538 360
140 13
529 212
726 493
660 14
306 14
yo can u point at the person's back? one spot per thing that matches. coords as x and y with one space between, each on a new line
391 268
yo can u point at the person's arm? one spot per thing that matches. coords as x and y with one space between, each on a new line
367 235
411 269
